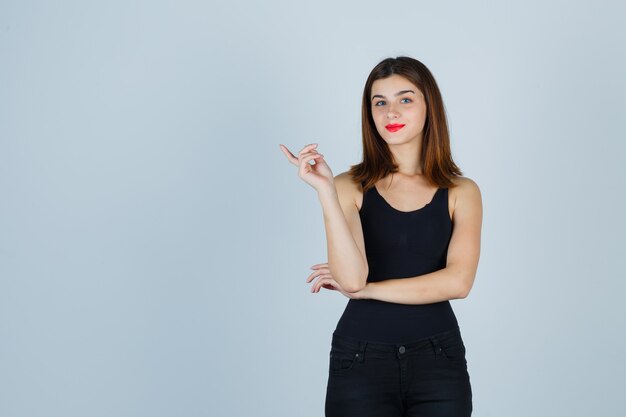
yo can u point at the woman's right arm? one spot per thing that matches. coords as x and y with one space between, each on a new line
344 234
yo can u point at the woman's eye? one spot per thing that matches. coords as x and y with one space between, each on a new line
378 103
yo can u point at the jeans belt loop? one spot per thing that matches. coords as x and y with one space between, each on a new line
436 346
363 345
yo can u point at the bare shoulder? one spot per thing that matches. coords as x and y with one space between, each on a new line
466 194
465 184
347 190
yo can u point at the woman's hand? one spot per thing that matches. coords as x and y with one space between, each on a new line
317 175
325 280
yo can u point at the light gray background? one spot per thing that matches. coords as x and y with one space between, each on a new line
154 241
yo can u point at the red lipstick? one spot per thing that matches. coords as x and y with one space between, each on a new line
394 127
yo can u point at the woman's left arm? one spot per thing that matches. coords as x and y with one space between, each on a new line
457 278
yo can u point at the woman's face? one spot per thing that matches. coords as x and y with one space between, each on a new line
395 100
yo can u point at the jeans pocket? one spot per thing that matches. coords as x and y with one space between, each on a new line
343 358
455 353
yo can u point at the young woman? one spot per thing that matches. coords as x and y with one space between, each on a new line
403 232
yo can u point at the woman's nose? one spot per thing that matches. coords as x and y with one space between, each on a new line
391 112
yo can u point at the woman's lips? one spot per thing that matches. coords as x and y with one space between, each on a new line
394 127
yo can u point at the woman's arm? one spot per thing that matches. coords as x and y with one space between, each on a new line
344 235
456 279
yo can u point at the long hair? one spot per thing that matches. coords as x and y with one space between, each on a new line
435 158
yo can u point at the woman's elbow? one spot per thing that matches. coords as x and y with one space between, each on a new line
359 285
354 289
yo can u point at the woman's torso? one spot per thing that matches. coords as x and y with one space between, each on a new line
401 244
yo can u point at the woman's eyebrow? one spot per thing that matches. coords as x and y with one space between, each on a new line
397 94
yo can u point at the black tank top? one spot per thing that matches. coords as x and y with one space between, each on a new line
401 244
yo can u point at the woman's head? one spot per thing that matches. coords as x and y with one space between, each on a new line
403 91
397 108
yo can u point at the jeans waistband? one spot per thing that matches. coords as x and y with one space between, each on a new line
444 338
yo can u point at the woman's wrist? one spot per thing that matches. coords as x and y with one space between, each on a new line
328 189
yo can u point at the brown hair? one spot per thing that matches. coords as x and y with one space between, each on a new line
435 158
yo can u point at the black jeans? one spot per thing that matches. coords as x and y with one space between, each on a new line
427 377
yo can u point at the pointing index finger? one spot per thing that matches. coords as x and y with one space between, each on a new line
307 147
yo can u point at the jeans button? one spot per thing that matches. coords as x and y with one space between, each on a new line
402 349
